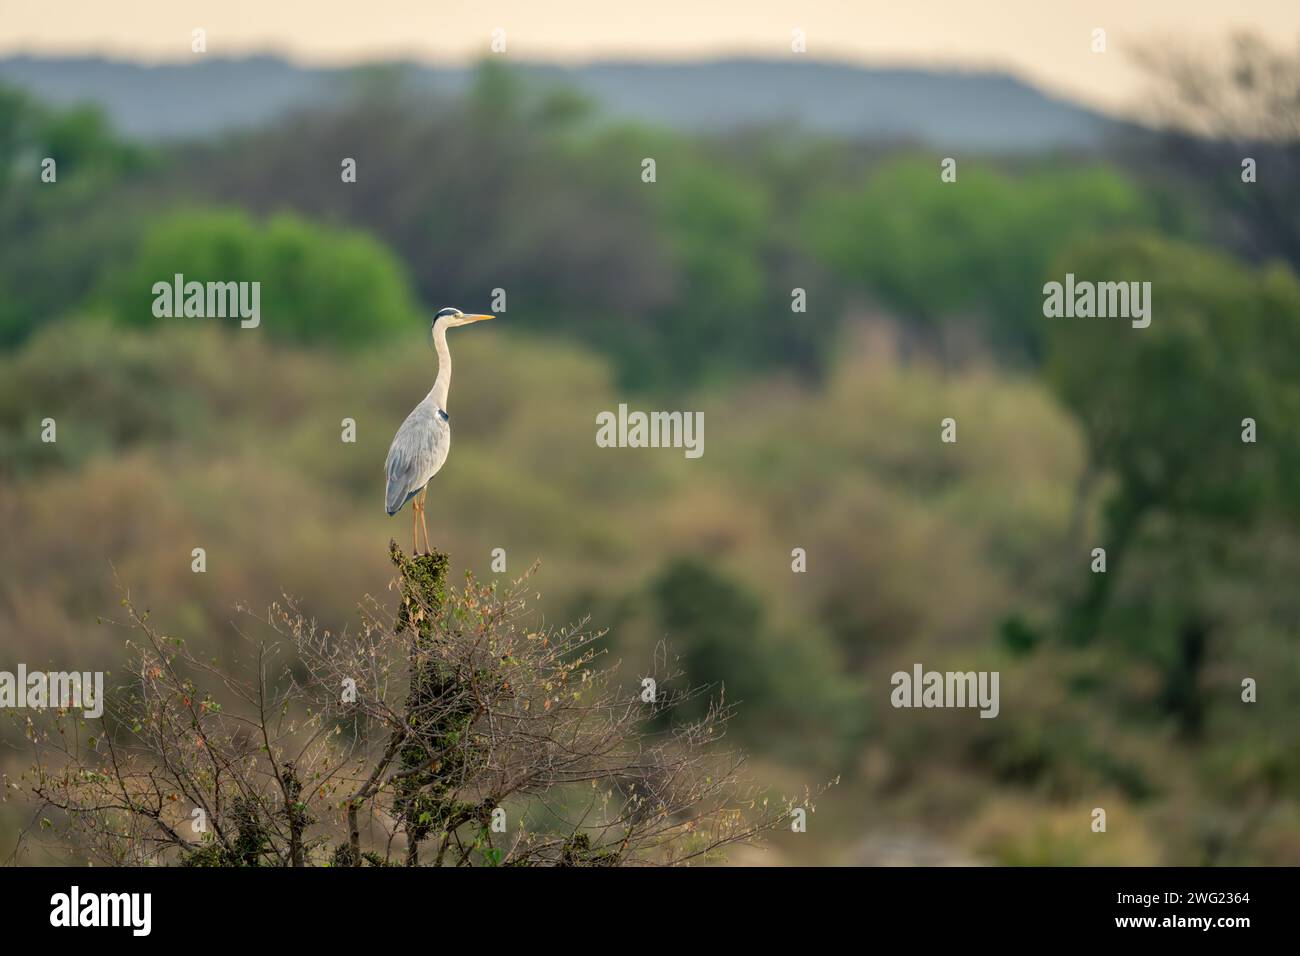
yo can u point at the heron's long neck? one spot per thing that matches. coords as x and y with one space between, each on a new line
441 384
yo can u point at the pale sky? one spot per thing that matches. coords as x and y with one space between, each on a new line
1044 41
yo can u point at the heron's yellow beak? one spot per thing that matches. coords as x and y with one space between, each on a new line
479 318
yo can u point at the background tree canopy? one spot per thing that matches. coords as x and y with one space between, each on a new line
321 284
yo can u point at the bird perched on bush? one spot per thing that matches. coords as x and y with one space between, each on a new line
421 444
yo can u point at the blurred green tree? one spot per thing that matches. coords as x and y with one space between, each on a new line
318 284
56 237
788 683
1164 409
934 251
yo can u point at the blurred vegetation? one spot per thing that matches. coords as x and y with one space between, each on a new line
977 249
924 301
56 239
321 284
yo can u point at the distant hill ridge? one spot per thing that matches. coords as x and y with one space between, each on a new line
982 111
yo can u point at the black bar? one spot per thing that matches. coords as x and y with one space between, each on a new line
368 905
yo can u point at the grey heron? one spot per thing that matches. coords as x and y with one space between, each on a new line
421 444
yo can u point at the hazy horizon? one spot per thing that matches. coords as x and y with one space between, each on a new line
1048 46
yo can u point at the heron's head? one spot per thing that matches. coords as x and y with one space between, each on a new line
450 318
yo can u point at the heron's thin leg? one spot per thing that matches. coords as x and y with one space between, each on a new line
428 549
415 542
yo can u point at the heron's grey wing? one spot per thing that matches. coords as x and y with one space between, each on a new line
419 448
